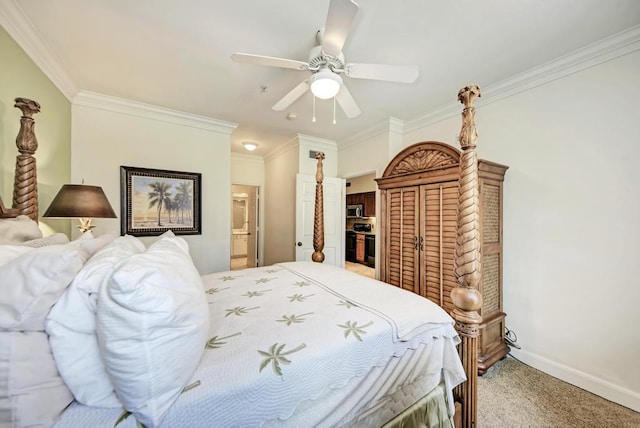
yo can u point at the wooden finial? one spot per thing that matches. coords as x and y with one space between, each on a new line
468 133
26 140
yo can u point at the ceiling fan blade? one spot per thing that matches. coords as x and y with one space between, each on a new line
347 103
269 61
391 73
293 95
339 19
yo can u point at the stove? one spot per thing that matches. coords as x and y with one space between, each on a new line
362 227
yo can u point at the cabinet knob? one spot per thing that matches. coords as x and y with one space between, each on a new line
299 244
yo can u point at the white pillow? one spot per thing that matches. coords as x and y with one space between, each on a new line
91 245
19 229
31 391
55 239
71 325
32 282
10 252
152 321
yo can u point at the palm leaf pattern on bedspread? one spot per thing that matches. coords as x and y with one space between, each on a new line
276 356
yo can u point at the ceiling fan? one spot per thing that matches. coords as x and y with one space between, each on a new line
326 63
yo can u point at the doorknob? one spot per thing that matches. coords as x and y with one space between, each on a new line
299 244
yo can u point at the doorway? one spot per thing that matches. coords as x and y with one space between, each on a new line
360 225
245 201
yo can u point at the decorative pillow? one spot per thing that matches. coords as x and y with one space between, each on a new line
71 325
32 282
32 394
152 321
19 229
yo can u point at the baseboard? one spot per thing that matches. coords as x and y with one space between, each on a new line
600 387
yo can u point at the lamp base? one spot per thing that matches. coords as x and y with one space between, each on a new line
85 225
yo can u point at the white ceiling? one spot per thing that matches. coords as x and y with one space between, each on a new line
176 54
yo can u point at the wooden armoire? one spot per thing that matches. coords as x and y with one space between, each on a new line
417 228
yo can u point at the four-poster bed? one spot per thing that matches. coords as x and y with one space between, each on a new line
391 342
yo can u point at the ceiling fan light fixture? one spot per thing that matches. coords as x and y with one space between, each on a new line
250 146
325 84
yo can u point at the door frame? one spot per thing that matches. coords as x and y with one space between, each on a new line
255 216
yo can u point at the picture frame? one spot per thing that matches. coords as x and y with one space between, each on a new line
153 201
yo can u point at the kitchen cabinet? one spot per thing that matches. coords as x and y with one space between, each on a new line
355 198
367 199
369 204
360 248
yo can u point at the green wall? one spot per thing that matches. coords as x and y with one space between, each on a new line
21 77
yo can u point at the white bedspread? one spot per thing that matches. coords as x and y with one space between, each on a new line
284 336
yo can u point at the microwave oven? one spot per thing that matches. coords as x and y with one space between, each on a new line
355 211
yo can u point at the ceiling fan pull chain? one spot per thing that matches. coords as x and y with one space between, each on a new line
314 110
334 110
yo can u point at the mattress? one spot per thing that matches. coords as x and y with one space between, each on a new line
302 344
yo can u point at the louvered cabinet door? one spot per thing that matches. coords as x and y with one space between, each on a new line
401 257
439 202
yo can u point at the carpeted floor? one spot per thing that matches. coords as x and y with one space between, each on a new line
512 394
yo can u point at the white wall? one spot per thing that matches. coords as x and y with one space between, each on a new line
280 205
108 133
362 184
249 170
571 224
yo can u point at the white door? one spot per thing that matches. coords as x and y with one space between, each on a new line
334 218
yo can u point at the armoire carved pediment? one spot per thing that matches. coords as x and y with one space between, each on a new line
420 159
422 156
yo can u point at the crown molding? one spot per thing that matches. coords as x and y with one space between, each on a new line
607 49
295 142
246 157
148 111
366 134
279 151
318 142
396 125
20 28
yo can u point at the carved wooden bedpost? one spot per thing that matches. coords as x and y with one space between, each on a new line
466 297
25 189
318 217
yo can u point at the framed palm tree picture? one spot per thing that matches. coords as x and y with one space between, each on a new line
154 201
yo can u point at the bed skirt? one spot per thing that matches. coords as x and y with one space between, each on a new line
429 411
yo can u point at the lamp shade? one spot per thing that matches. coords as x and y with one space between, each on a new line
80 201
325 84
